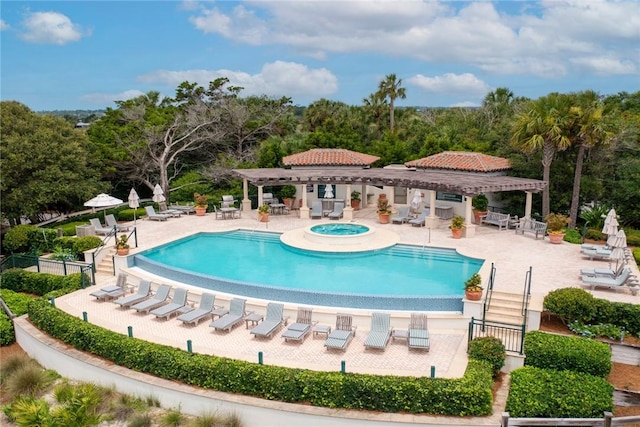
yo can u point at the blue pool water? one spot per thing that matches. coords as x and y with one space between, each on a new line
340 229
257 264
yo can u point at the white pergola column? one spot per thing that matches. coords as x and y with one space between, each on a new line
469 228
432 220
260 198
246 203
347 213
528 204
304 209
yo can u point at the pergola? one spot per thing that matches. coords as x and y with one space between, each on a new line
465 184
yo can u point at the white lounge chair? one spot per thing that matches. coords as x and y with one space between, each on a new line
157 300
316 209
299 330
112 291
601 254
608 282
272 322
418 334
144 289
152 215
402 216
602 272
203 310
380 331
111 222
338 211
178 302
342 335
163 210
99 229
234 317
419 221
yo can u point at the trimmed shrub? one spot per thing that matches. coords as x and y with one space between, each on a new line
572 236
542 393
571 304
17 239
595 234
633 237
469 395
31 282
16 301
86 243
7 334
558 352
490 349
127 214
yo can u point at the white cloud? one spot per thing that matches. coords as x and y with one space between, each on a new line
50 28
539 39
275 79
109 98
606 66
450 83
4 25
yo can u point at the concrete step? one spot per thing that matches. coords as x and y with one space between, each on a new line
504 318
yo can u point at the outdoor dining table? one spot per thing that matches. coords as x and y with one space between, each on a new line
277 208
230 213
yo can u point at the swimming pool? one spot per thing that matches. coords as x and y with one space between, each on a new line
258 265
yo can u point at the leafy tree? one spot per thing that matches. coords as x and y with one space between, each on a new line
391 88
44 164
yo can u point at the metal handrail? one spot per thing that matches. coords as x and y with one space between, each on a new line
487 302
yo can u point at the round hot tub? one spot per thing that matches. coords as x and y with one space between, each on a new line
339 234
339 229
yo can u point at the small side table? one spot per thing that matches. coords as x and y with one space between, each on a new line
399 334
321 329
253 318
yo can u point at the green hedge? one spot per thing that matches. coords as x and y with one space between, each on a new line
549 351
469 395
543 393
490 349
7 334
16 301
19 280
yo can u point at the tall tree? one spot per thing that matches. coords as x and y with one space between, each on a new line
544 125
588 130
391 88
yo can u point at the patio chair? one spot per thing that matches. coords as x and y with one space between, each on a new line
380 333
144 289
272 322
403 215
152 215
218 213
338 211
342 335
99 229
234 317
163 210
418 332
419 221
602 272
299 330
316 209
608 282
157 300
178 302
111 222
193 317
112 291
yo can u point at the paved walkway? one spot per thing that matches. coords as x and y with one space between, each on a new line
554 266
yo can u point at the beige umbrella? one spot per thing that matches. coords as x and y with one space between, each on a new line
158 194
134 203
103 200
610 223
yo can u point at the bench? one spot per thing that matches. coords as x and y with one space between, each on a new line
532 226
495 218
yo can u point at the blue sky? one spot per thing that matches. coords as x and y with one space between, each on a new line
88 54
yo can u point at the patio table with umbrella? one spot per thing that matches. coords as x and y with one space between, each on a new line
103 200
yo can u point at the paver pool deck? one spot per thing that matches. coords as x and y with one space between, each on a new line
554 266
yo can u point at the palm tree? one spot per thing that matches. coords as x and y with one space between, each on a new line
391 88
588 130
543 125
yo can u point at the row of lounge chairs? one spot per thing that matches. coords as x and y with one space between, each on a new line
404 216
160 305
317 213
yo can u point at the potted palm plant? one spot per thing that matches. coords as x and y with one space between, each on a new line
457 225
200 203
384 210
355 200
556 226
473 287
122 245
480 204
263 213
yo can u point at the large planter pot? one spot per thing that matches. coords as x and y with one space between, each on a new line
477 215
473 295
263 217
290 203
384 218
456 233
355 204
122 251
556 238
201 210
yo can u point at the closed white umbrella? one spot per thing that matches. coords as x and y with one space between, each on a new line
328 192
619 245
158 194
416 201
134 203
610 223
103 200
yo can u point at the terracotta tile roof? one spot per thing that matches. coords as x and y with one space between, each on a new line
462 161
329 157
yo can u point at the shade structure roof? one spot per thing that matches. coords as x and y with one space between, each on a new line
462 161
466 184
318 157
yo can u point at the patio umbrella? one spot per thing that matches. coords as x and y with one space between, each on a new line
416 201
134 203
103 200
610 223
619 244
158 194
328 192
